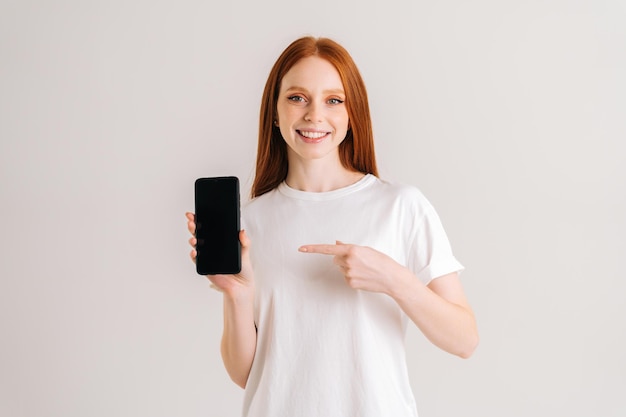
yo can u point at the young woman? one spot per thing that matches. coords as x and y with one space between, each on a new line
335 260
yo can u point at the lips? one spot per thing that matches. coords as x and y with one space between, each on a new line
311 136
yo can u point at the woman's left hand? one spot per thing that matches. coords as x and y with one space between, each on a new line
363 268
440 310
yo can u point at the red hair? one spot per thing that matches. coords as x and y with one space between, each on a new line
356 152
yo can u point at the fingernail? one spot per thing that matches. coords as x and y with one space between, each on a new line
303 249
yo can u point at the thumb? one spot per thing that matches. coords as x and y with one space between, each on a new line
339 242
244 239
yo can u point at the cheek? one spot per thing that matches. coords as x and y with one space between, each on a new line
286 114
342 121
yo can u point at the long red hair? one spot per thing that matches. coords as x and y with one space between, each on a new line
356 152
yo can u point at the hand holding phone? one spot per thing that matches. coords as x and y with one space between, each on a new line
217 221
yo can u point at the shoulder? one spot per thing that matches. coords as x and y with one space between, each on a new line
258 203
407 195
256 209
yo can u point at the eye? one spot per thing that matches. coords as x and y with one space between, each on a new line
297 99
335 101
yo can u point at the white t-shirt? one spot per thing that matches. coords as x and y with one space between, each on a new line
323 348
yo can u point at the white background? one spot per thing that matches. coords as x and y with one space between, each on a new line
510 116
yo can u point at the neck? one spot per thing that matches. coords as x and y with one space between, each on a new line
320 176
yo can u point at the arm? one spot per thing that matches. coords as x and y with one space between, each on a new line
239 335
440 310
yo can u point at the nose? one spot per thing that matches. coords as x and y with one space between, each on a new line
313 113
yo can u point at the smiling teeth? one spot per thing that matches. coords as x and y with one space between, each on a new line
312 135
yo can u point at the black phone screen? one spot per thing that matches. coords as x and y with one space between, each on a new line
217 226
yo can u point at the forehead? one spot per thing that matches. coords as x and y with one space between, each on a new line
312 73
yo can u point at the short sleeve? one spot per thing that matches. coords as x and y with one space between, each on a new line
431 255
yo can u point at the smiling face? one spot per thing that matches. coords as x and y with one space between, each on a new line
312 115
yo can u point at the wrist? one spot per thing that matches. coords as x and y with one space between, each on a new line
239 294
404 284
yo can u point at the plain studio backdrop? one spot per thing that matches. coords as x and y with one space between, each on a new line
510 116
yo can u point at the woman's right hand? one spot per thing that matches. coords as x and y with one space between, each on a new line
228 284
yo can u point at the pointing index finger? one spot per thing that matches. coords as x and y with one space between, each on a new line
324 249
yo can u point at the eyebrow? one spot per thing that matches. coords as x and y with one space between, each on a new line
331 91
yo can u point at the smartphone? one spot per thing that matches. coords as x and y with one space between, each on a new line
217 225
